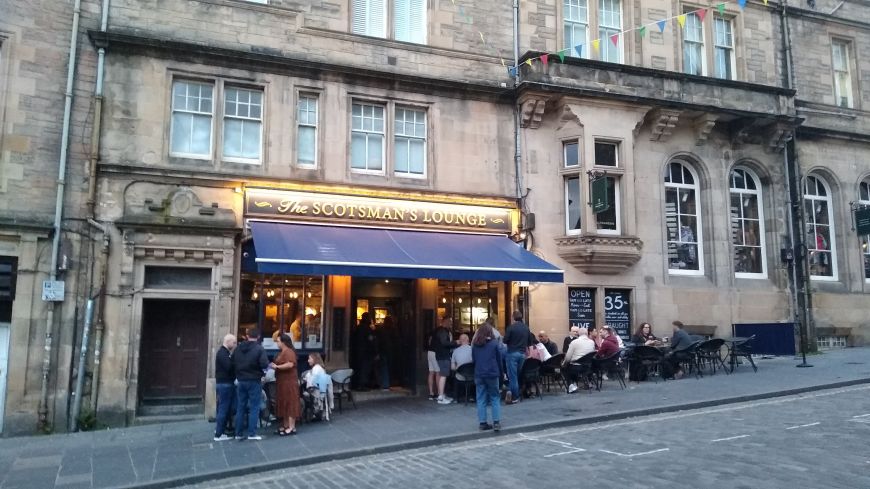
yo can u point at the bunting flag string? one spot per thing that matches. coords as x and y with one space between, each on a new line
701 13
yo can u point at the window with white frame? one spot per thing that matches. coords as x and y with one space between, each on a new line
842 73
408 19
819 229
747 224
572 173
576 24
410 142
607 155
683 220
610 24
723 55
191 125
864 195
693 45
243 125
367 137
306 131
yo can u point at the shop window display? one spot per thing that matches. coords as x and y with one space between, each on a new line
278 304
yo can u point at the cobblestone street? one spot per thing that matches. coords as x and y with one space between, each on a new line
813 440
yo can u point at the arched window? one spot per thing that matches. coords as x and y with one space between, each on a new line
683 221
820 229
864 196
747 224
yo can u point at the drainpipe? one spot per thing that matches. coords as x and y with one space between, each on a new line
791 169
80 375
99 326
517 147
42 411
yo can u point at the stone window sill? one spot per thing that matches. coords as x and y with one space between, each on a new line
604 255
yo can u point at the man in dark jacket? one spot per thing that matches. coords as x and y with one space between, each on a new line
442 345
679 342
549 344
249 362
516 339
224 377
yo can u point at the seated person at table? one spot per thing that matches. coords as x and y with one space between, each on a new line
609 344
462 354
549 344
572 335
644 336
595 335
680 341
580 347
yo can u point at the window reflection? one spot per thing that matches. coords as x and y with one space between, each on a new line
278 304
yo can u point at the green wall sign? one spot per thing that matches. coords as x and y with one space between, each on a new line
600 202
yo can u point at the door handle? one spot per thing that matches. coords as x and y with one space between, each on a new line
178 342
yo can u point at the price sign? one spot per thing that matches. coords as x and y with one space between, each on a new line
581 307
617 311
52 290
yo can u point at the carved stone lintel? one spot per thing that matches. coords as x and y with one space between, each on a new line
663 123
704 125
604 255
532 112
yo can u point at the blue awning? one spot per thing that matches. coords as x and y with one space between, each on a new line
306 249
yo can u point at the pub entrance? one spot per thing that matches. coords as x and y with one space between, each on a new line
384 357
174 351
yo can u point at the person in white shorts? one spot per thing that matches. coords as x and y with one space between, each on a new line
433 370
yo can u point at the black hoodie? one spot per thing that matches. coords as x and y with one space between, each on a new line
249 361
223 367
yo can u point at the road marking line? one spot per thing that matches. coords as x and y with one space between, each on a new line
729 438
635 454
563 443
861 416
576 450
803 426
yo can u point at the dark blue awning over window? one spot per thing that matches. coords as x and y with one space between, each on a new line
306 249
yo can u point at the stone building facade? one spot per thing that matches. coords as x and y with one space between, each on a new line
205 105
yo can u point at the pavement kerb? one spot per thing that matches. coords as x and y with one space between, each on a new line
443 440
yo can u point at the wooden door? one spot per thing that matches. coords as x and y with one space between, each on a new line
174 351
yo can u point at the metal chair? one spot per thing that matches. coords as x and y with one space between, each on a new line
551 370
341 385
708 352
611 366
742 349
647 358
687 359
530 374
579 370
464 378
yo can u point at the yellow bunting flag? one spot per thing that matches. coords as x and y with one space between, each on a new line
529 62
682 20
595 44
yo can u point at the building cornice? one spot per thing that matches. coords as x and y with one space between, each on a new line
800 13
273 61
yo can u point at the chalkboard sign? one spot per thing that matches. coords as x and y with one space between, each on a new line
581 307
617 311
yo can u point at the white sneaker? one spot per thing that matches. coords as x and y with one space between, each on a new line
444 400
572 388
604 376
222 438
255 437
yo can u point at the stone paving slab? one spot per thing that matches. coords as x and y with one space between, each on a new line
172 453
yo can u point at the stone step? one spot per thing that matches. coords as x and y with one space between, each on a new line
179 408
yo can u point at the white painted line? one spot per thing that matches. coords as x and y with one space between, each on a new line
861 416
635 454
729 438
803 426
563 443
576 450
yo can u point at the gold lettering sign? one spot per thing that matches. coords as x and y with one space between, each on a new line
370 210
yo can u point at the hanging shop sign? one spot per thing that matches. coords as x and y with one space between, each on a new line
349 209
581 307
600 201
617 311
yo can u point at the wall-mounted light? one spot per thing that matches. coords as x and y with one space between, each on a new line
460 300
237 190
444 300
386 281
255 296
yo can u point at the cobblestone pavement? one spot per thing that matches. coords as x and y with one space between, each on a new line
809 441
166 454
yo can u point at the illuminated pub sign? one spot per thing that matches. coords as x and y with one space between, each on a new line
349 209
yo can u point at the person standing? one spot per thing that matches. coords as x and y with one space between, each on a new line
224 377
517 340
288 407
249 362
442 344
365 349
487 358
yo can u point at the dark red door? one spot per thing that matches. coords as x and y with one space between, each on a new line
174 352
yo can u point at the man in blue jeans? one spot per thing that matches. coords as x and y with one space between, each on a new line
225 391
517 338
249 362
